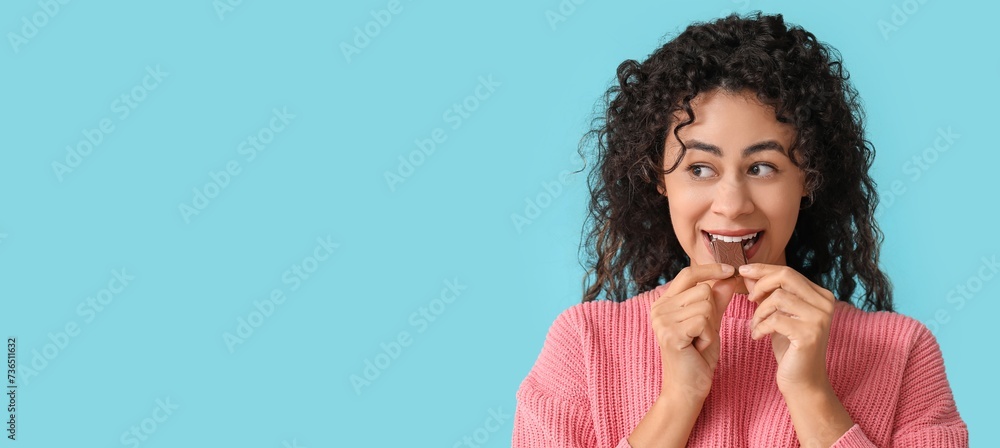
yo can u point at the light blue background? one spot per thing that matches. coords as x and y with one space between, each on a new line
324 176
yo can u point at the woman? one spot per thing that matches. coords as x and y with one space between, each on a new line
747 130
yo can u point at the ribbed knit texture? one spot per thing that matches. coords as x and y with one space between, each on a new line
599 372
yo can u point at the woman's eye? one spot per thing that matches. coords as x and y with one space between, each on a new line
701 171
762 170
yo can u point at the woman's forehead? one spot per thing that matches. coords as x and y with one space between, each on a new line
731 124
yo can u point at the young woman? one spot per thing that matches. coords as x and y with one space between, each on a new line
743 129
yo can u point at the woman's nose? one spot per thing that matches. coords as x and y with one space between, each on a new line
732 199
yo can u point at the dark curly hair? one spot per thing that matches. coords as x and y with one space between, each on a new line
631 245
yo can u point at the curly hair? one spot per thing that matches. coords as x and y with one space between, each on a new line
630 243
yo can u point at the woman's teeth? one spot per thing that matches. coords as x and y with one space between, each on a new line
733 239
747 240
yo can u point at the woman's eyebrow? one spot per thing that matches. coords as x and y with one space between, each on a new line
747 152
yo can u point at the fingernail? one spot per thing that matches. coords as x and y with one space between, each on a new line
745 269
727 269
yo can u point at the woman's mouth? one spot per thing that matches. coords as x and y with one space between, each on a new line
751 241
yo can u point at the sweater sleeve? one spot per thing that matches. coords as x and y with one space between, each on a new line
926 415
553 407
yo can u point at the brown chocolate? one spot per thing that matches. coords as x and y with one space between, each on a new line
729 253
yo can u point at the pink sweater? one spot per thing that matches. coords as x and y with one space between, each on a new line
599 372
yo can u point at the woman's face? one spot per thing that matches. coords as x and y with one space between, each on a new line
736 178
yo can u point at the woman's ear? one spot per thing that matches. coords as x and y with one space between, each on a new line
807 201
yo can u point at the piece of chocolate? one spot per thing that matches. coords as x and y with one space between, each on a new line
729 253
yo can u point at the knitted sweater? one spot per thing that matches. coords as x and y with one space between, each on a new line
599 372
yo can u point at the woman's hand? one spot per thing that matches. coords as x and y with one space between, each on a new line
686 320
797 314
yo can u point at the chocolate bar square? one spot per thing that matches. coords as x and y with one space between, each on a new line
729 253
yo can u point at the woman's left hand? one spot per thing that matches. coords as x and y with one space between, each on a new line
797 314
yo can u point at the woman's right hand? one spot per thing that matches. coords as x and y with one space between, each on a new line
686 321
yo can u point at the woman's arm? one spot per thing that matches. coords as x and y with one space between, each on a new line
819 417
926 415
668 423
542 420
553 408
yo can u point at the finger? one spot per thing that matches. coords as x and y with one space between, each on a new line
782 301
699 300
701 308
689 331
823 292
698 332
695 274
670 310
779 323
786 278
701 292
718 293
758 270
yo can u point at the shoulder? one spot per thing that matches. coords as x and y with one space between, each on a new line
850 313
576 343
587 319
884 328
